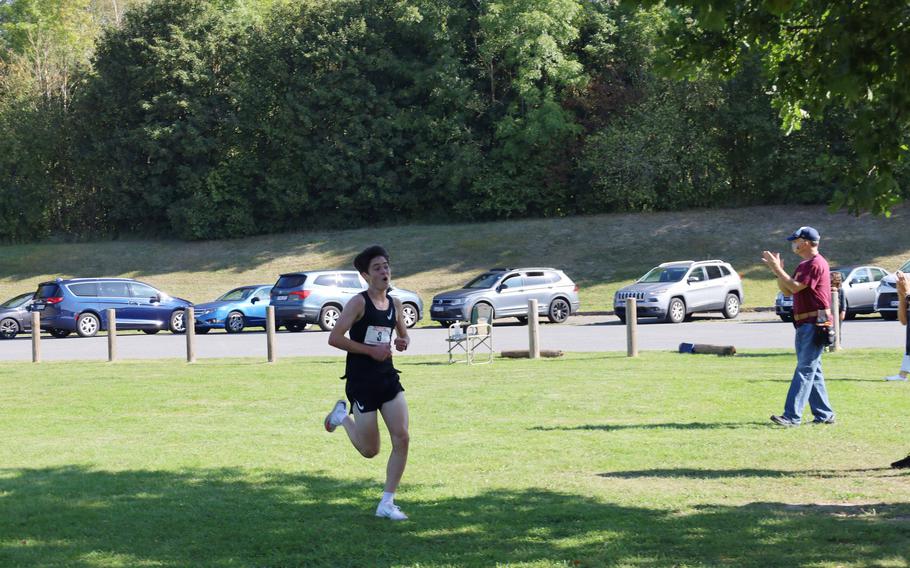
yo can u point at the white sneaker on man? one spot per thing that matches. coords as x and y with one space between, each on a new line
334 418
895 378
390 511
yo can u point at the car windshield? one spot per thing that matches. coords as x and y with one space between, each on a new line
486 280
17 301
235 295
664 274
844 272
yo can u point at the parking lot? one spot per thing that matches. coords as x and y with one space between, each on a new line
752 330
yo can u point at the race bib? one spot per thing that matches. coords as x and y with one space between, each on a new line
378 335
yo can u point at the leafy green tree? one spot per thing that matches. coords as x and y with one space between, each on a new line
524 48
820 57
156 115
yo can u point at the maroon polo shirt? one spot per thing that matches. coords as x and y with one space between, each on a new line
816 275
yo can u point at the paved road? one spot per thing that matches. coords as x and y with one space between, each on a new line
581 333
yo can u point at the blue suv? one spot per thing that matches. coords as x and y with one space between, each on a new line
81 304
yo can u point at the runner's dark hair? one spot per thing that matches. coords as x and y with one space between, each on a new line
362 260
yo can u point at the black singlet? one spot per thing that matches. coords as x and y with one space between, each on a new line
373 328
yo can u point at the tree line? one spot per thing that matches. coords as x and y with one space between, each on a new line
201 119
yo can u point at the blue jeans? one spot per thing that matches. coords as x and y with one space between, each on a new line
808 384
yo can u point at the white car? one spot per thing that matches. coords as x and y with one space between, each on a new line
673 291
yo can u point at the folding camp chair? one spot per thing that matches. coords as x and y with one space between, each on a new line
467 339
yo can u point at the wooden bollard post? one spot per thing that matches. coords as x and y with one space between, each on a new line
631 327
835 312
533 330
189 324
36 337
270 333
111 335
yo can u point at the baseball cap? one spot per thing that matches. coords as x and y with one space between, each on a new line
807 233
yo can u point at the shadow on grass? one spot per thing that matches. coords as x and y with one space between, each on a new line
692 473
765 355
72 516
662 426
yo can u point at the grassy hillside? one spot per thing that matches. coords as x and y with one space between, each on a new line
601 253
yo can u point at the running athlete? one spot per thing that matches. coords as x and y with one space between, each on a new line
372 381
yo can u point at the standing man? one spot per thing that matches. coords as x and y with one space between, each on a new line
372 381
810 287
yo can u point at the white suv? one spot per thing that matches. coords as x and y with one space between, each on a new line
675 290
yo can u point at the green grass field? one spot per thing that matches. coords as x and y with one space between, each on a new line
601 253
591 460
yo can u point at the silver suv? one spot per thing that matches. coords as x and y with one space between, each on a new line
318 296
507 291
675 290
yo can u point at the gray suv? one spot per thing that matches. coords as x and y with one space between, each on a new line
675 290
507 291
318 296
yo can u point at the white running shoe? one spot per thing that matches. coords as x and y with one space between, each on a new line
895 378
334 418
390 511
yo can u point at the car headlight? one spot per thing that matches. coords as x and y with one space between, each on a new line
204 311
456 302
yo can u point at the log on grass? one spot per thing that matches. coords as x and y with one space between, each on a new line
525 354
705 349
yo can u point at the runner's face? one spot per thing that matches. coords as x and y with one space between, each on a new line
380 273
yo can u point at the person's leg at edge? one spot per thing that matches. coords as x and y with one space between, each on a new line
808 357
363 431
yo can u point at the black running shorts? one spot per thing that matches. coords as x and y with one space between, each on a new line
370 394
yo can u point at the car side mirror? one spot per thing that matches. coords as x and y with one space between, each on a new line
155 299
691 279
499 289
254 300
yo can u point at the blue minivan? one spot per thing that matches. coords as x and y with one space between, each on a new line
81 304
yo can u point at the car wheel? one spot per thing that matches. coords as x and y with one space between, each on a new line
178 322
328 317
234 323
88 325
409 314
523 320
785 318
59 333
150 331
848 315
622 318
9 328
295 326
203 330
676 311
731 306
889 316
559 310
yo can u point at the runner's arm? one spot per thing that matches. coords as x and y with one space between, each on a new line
403 339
